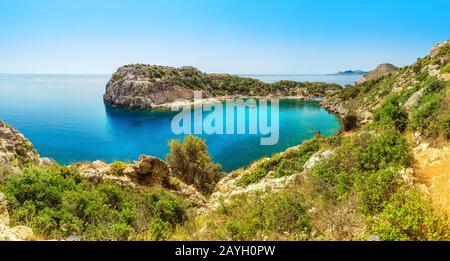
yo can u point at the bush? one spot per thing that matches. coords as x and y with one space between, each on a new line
391 114
409 216
117 168
250 217
191 163
386 149
349 122
446 69
57 204
430 118
374 188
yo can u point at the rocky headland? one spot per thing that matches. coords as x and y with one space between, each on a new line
140 86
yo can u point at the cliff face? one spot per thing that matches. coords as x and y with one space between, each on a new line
145 86
15 151
140 86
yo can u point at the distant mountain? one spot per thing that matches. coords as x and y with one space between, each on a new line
350 72
381 70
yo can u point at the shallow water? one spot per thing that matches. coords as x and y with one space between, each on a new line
65 118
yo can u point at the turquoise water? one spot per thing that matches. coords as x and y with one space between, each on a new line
65 118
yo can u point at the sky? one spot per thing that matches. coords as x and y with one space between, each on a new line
218 36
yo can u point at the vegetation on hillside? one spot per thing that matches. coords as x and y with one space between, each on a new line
57 203
221 84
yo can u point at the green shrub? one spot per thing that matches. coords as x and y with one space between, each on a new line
386 149
409 216
117 168
430 117
391 114
446 69
191 163
56 203
280 215
374 188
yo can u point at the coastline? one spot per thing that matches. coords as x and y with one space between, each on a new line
221 99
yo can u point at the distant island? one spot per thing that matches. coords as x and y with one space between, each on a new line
351 72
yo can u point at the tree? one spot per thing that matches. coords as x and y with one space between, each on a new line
349 122
191 163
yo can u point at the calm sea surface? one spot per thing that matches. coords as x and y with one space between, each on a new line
65 118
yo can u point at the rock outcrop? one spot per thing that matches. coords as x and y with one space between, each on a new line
140 86
16 151
147 171
380 71
334 106
413 100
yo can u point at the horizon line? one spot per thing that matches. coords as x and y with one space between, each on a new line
237 74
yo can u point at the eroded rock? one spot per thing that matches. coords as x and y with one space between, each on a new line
16 152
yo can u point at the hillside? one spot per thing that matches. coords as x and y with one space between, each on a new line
384 177
147 86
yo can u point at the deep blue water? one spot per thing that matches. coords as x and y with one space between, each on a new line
65 118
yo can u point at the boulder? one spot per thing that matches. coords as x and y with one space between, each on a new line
46 162
316 157
73 238
4 216
149 170
23 233
413 100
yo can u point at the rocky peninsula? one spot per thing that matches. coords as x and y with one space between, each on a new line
140 86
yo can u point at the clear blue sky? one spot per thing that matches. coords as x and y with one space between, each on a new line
245 36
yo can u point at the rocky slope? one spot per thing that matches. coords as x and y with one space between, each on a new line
15 151
145 86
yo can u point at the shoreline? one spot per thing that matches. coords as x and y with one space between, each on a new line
216 100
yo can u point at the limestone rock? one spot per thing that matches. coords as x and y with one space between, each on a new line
334 106
4 216
150 170
366 116
16 152
46 162
316 157
413 101
73 238
23 233
147 171
373 238
189 194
